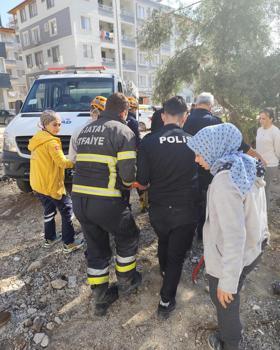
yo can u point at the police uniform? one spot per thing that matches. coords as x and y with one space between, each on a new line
167 165
106 161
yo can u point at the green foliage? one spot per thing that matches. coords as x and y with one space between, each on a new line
224 46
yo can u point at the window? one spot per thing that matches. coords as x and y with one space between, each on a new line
142 80
155 60
33 9
49 52
29 61
87 51
35 35
85 23
55 54
67 94
39 59
142 59
25 38
50 4
140 11
22 15
52 27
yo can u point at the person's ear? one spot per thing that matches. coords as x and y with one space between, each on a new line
163 117
185 117
123 115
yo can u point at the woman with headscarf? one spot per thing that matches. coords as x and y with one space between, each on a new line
235 225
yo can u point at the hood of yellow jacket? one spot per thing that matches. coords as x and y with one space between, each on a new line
39 139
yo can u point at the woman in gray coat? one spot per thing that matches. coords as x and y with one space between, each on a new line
235 225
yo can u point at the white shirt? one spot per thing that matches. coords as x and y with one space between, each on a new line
268 145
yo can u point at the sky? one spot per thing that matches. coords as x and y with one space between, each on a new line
6 5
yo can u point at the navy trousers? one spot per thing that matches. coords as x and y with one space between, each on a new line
64 206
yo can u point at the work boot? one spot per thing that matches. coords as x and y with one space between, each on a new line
104 297
214 342
127 286
165 308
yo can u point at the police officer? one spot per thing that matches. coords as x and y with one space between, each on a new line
105 163
167 167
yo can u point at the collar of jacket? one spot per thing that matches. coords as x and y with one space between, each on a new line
171 126
201 112
112 116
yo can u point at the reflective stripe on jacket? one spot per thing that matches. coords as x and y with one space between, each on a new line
106 158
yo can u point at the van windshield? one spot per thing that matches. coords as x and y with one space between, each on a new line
66 94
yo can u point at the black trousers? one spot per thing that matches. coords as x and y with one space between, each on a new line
175 231
64 205
229 324
98 218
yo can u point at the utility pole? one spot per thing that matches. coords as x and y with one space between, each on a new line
117 20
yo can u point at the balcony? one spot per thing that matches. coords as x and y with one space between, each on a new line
109 61
127 16
128 41
12 45
105 10
10 62
106 37
129 65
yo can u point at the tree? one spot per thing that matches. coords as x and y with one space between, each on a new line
223 46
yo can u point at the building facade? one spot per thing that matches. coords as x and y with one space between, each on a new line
12 70
89 33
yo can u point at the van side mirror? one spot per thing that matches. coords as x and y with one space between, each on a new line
18 106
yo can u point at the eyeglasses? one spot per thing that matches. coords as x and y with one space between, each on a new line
56 124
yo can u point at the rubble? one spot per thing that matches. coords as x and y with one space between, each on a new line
38 337
58 284
46 317
34 266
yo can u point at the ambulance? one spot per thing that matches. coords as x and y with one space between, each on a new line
66 90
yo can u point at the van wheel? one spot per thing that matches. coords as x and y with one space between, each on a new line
24 186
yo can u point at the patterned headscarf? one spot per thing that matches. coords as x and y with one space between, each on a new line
219 145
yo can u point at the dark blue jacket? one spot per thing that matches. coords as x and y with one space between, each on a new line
198 119
133 125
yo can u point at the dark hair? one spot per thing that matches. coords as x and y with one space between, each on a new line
175 106
117 103
269 112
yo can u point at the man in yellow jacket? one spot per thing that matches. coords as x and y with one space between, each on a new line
47 167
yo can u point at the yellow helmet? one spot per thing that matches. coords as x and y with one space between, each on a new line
133 103
99 102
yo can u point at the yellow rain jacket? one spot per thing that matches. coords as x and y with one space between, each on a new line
47 165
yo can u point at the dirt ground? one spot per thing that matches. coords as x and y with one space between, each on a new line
64 317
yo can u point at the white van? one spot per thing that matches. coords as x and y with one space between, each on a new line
69 94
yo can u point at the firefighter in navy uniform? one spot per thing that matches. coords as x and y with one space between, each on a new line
105 163
167 167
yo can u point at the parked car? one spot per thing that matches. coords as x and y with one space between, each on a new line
145 117
5 116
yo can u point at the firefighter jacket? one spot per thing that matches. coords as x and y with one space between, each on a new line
106 158
47 165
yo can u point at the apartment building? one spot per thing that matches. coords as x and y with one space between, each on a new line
88 33
12 71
